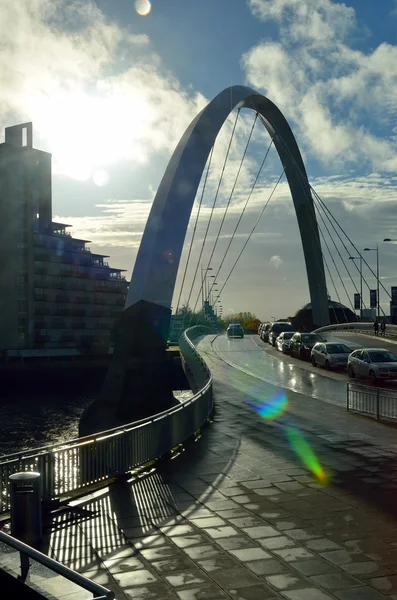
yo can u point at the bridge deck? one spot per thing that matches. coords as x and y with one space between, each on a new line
238 515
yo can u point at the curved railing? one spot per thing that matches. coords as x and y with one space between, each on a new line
71 466
391 330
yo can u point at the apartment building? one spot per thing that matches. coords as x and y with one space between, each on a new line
54 292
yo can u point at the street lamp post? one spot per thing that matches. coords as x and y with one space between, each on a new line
377 274
360 258
204 283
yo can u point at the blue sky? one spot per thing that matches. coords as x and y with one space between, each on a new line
110 93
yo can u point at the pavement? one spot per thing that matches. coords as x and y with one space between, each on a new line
241 513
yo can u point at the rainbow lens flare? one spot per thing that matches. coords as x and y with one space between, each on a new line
270 409
305 453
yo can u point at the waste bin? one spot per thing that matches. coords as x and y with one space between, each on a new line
26 507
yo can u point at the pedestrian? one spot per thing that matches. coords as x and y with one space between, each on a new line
376 327
383 327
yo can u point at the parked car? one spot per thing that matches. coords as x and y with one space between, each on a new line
283 341
330 355
235 330
302 343
265 332
277 328
375 363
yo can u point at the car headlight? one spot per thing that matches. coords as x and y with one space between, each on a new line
383 370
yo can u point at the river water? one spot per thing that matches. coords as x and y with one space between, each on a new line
27 423
34 422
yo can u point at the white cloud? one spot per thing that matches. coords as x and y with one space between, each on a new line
95 93
340 99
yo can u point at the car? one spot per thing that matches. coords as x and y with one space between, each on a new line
373 363
302 343
277 328
331 355
265 332
235 330
283 341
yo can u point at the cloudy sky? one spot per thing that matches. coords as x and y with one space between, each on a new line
111 86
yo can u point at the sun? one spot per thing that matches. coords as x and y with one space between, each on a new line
87 132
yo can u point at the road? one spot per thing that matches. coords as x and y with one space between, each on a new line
260 360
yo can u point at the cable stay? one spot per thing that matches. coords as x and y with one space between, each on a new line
242 213
228 204
194 233
332 220
341 258
251 233
211 215
336 291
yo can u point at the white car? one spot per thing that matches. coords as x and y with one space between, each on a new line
331 355
283 341
375 363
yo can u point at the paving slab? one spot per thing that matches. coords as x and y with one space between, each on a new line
242 514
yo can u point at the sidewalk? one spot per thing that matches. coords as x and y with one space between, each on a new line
238 515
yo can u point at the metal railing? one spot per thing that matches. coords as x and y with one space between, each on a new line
376 402
71 466
98 591
368 328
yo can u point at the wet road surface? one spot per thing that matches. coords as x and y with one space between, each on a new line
260 360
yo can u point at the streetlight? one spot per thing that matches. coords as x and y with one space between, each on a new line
360 258
203 282
377 272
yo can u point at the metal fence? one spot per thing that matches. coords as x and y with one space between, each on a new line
376 402
358 327
68 467
27 552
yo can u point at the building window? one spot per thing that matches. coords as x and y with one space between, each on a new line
22 321
22 306
21 333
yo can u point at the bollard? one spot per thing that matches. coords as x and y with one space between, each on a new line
26 507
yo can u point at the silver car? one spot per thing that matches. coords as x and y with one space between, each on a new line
375 363
330 355
283 341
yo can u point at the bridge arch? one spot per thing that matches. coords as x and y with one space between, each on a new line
157 262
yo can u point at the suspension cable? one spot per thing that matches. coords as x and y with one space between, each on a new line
332 258
194 233
336 291
353 245
230 198
251 233
331 217
212 211
317 197
330 274
242 212
211 214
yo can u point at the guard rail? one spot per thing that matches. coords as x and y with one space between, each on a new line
375 402
69 467
391 330
98 591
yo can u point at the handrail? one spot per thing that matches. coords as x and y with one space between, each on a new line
96 459
95 588
357 325
108 432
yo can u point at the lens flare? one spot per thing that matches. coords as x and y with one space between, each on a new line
143 7
303 449
271 409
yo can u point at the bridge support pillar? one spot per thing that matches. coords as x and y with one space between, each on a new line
138 382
